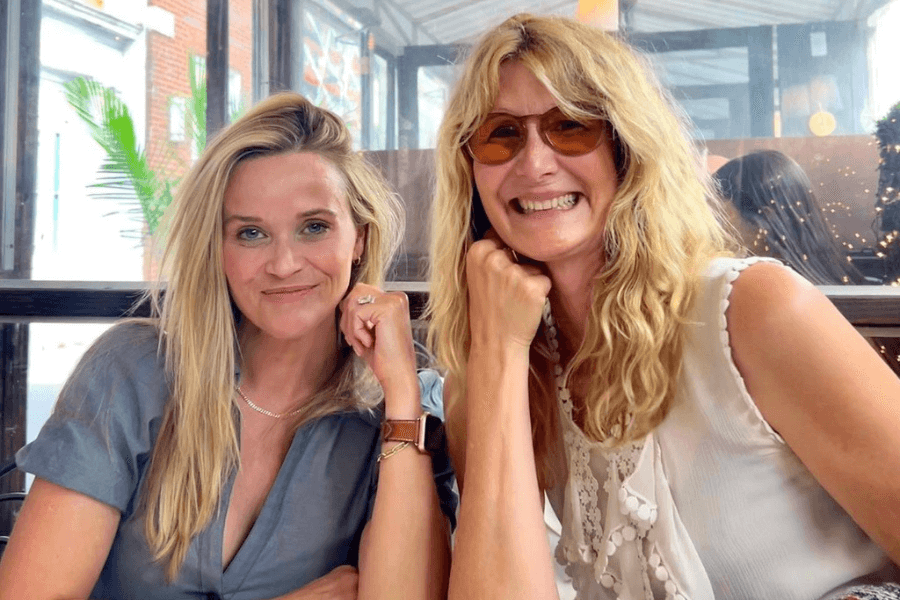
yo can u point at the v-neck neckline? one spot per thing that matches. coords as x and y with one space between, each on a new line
262 528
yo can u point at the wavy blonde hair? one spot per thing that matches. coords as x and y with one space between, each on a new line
197 445
660 233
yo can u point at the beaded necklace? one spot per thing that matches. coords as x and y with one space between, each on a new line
563 395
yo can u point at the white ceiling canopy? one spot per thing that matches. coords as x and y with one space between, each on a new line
425 22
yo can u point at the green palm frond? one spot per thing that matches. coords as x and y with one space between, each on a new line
196 113
125 175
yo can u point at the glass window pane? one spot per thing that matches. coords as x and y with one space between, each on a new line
332 47
711 86
53 351
435 84
382 95
131 76
808 80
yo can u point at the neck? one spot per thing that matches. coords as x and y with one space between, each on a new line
570 297
280 375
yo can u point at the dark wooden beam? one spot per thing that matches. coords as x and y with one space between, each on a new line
216 66
42 301
25 301
20 21
281 32
31 301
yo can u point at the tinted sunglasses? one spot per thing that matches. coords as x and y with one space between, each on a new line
501 136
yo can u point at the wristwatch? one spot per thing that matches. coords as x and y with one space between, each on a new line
426 433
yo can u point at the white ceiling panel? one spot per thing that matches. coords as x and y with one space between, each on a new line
460 21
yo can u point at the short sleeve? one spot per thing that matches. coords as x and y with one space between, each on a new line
431 385
102 430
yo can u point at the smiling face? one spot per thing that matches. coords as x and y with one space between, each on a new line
547 206
289 243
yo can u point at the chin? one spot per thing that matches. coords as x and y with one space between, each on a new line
544 251
586 253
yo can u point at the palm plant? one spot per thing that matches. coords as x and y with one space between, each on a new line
196 110
125 175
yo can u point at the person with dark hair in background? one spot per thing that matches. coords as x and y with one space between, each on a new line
779 216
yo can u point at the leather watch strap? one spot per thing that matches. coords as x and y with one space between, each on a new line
400 431
425 433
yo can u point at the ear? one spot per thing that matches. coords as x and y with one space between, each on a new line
360 247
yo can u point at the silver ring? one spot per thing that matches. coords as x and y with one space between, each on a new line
367 299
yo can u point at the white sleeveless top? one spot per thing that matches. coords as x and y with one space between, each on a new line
712 504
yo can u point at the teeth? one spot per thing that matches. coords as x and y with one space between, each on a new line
559 203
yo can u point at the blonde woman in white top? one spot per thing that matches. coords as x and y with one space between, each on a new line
703 426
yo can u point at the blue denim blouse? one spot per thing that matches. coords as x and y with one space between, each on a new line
99 441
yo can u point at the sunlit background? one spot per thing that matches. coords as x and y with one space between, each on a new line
811 79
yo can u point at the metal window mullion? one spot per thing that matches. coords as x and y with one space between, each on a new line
216 66
10 136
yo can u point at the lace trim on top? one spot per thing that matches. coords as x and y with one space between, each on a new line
610 544
731 275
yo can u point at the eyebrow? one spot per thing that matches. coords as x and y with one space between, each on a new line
517 115
316 212
505 111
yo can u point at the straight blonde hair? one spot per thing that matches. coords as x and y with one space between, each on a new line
197 447
660 233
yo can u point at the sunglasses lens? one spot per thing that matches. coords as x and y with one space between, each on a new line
571 137
498 139
502 136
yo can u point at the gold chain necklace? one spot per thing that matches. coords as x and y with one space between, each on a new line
262 410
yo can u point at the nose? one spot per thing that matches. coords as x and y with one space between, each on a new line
536 159
285 259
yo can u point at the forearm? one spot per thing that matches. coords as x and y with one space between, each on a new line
501 549
405 553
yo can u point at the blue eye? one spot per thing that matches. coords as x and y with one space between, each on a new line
316 228
249 234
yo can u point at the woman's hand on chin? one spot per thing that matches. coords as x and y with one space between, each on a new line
376 325
506 298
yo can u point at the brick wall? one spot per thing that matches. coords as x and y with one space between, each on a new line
168 60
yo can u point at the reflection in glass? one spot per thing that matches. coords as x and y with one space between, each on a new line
435 83
809 80
331 65
378 139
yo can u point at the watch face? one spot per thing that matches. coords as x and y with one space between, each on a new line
434 433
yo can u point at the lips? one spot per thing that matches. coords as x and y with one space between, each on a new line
286 291
561 202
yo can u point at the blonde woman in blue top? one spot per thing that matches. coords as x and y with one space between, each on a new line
230 446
